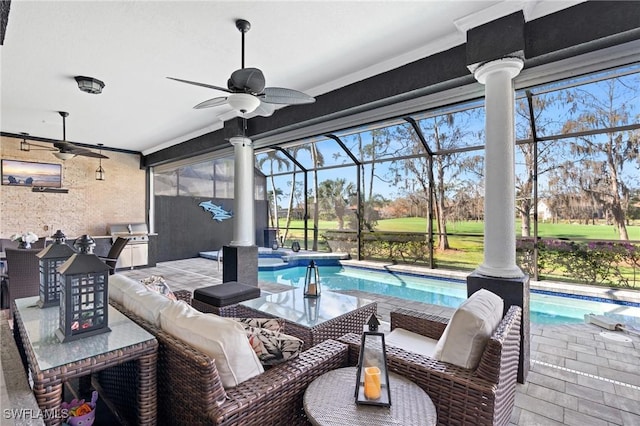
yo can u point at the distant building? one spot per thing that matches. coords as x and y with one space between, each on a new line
544 211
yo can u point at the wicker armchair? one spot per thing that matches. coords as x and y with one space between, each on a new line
23 270
189 386
484 396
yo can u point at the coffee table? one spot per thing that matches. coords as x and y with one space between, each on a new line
329 401
313 320
51 363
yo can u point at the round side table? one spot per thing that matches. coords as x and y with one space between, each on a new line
329 400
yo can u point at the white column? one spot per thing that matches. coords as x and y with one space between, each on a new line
244 224
499 201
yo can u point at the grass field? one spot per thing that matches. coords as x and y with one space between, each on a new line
598 231
466 239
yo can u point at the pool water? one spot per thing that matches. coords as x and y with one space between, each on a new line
545 308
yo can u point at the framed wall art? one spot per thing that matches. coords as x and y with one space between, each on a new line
31 174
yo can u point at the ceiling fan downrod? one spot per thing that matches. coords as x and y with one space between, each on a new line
64 115
243 26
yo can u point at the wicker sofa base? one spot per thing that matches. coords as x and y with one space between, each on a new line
190 391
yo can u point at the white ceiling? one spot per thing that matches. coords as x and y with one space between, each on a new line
312 46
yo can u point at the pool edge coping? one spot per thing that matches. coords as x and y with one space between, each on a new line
607 293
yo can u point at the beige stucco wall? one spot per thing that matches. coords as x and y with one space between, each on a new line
87 208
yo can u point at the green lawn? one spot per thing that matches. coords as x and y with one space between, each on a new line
549 230
466 241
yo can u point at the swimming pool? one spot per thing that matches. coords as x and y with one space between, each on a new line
545 308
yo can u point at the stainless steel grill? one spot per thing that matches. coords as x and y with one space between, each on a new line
136 252
136 233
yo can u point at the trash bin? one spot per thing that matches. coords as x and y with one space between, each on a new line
269 236
4 293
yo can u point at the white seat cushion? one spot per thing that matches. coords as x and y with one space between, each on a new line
222 339
120 284
471 325
412 342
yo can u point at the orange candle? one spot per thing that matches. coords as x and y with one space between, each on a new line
372 382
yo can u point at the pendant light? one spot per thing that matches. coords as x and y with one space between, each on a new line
24 145
100 175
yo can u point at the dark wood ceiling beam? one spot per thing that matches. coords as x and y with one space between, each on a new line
584 28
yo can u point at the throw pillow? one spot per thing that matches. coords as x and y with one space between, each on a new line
471 325
273 347
273 324
157 284
222 339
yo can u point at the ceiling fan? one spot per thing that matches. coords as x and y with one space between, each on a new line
65 150
247 91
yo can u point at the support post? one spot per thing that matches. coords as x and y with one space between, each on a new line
240 258
499 272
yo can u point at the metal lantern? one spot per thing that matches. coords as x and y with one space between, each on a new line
52 257
312 281
372 378
275 245
84 297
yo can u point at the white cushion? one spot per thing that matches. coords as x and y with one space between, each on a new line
222 339
146 304
120 284
471 325
412 342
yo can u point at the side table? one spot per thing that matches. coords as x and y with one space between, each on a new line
51 363
329 401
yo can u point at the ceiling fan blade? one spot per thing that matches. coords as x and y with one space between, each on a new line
265 109
280 95
37 147
211 102
195 83
88 153
68 147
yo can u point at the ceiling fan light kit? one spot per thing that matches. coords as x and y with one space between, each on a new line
63 155
89 84
243 102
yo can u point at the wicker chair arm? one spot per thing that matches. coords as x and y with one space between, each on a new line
422 323
504 345
275 397
184 295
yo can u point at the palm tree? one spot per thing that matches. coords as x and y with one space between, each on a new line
334 194
318 161
274 158
294 153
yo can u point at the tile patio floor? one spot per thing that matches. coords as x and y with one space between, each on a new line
577 377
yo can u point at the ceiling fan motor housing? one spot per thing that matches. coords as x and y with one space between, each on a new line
248 80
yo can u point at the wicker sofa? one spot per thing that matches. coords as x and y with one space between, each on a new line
481 396
189 387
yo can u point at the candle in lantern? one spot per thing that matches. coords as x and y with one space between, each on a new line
372 382
313 289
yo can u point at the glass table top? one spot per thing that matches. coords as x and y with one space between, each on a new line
41 324
292 306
